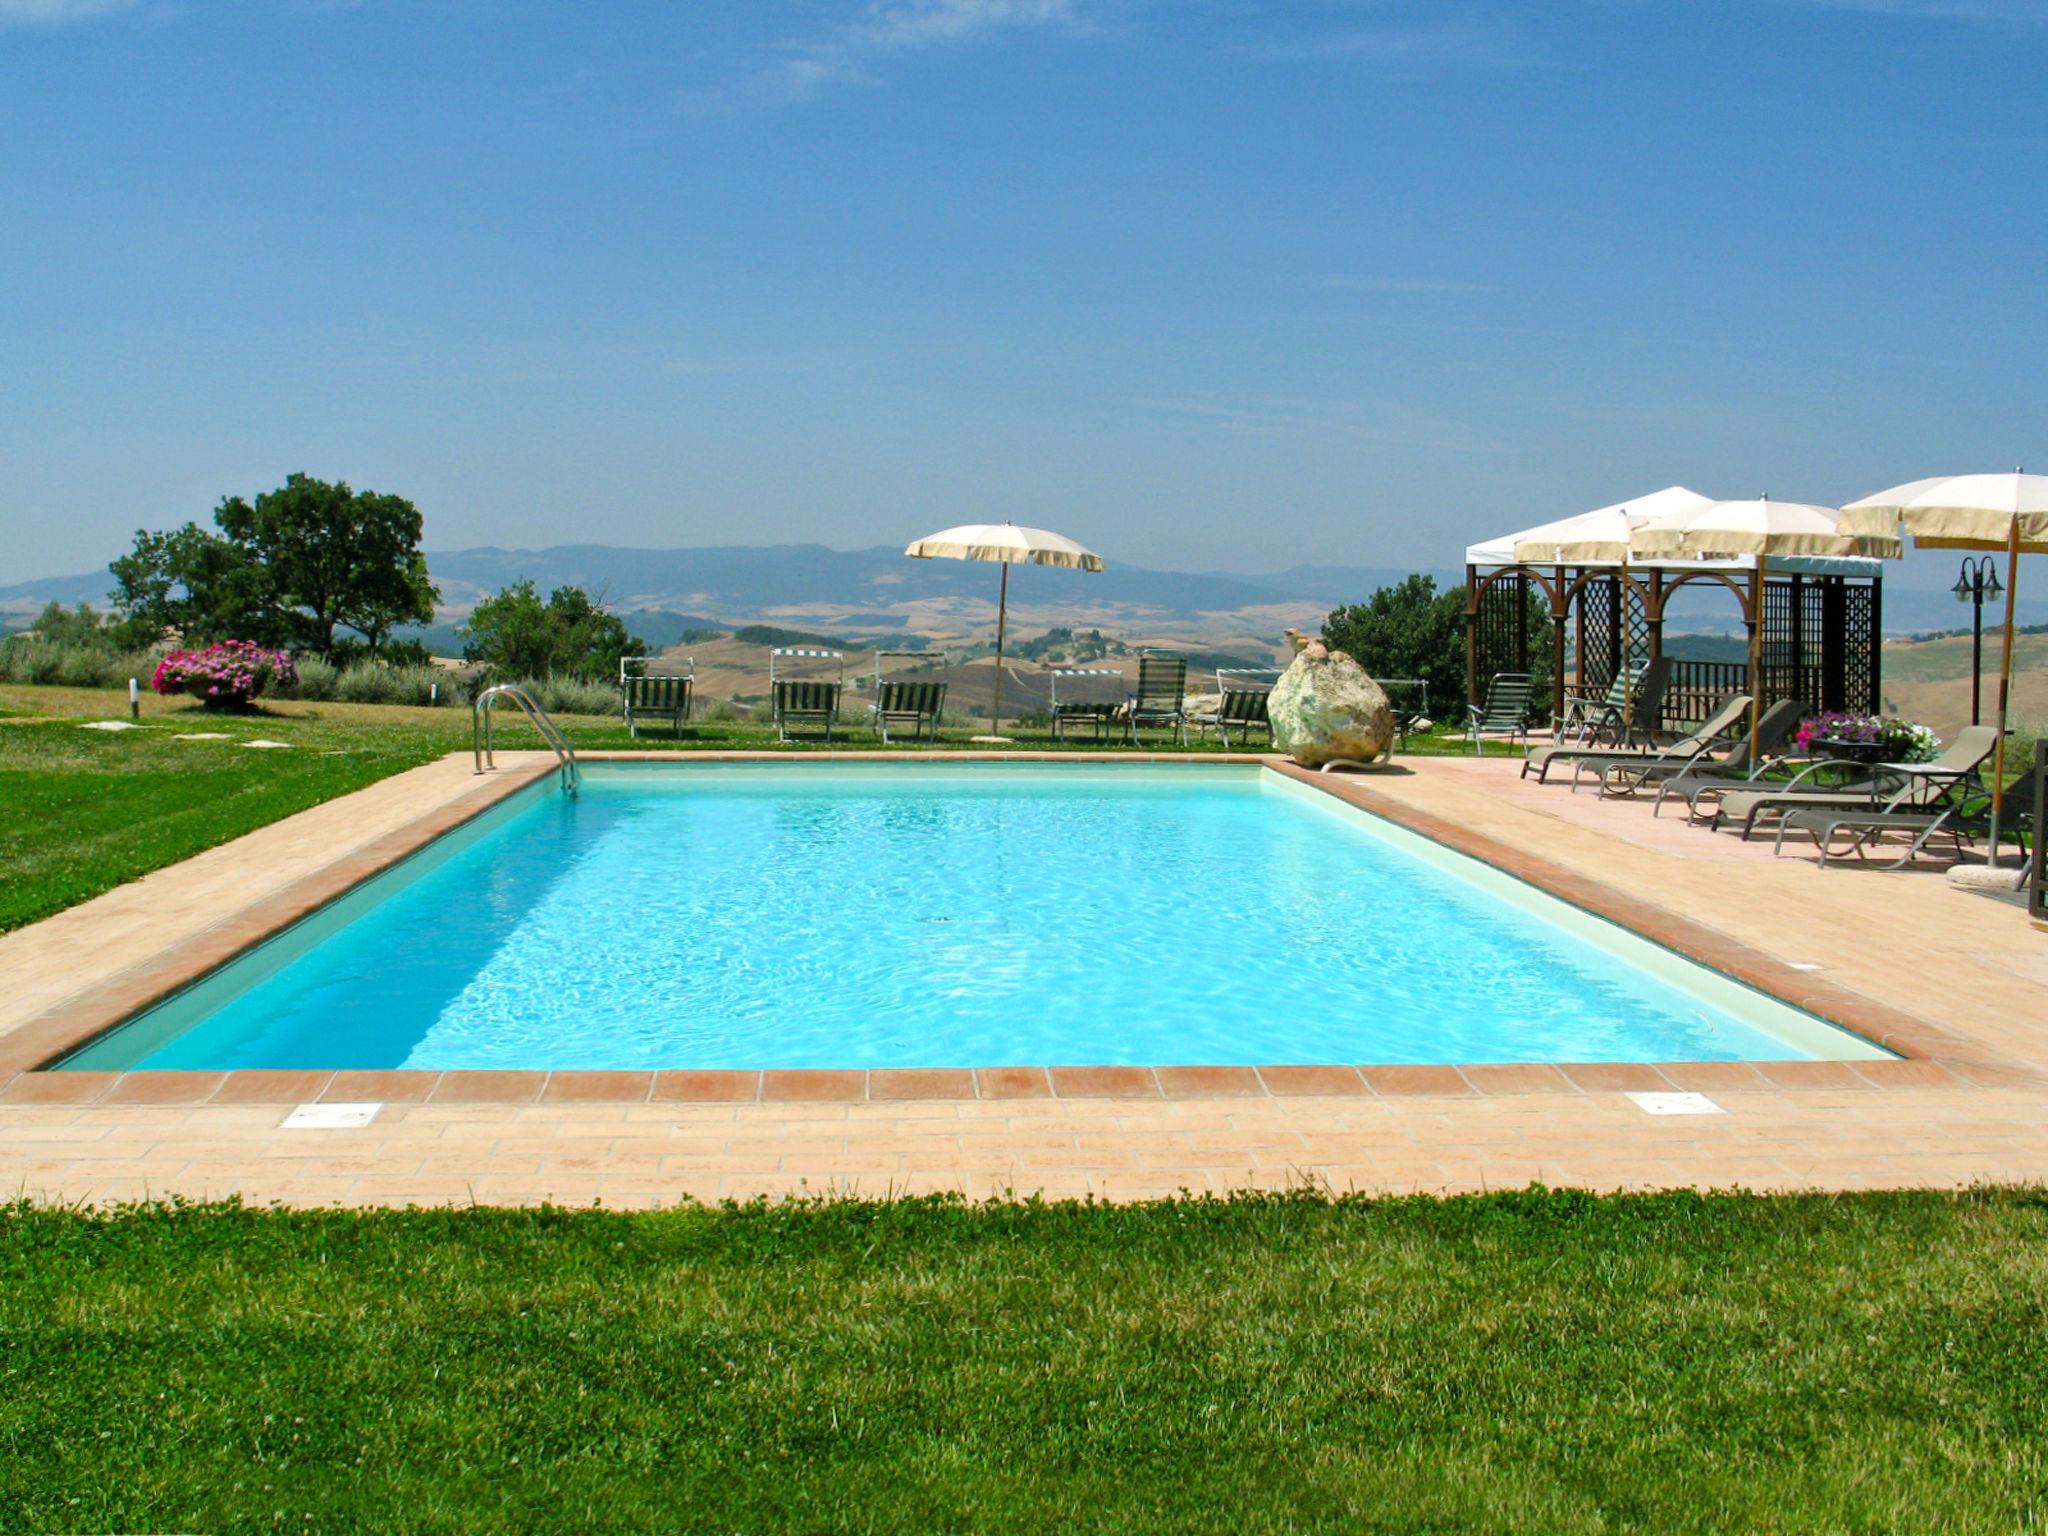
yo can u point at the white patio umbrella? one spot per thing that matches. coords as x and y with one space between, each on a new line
1010 545
1602 535
1988 512
1762 528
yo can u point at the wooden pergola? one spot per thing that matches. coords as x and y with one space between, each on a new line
1822 626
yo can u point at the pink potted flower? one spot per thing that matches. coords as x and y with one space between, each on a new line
228 675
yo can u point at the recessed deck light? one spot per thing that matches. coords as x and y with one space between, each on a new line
1676 1104
329 1117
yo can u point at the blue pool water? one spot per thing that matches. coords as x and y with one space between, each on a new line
833 916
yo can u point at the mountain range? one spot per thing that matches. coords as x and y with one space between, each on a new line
876 590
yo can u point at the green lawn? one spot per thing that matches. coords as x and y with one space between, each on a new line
1537 1362
82 811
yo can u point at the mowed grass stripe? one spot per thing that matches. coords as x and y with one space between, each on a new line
1532 1362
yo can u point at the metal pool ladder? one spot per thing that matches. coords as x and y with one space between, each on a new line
551 733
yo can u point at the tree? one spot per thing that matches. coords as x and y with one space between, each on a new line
285 569
1410 630
336 556
57 625
515 634
196 583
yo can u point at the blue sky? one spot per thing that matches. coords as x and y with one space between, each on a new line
1207 285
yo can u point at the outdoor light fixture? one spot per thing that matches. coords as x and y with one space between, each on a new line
1978 583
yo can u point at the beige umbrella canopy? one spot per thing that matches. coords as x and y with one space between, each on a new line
1602 535
1010 545
1990 512
1762 528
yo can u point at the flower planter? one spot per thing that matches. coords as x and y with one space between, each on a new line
228 675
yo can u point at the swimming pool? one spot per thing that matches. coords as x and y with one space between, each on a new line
940 915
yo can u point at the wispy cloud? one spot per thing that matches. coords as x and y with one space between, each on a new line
1411 52
2013 13
51 13
1368 282
1365 424
852 52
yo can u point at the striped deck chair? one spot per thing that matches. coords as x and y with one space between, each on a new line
799 699
1243 710
657 698
916 703
1087 703
1506 710
1591 717
1162 694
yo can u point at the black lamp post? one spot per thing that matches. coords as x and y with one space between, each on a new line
1978 581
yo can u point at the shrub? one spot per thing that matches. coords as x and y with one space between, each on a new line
229 675
573 696
317 680
54 664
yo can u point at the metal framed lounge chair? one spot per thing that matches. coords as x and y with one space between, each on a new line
1161 697
1240 702
1628 711
1949 817
914 701
1505 711
1868 827
1091 698
1202 714
1243 710
1409 697
798 699
1717 730
1868 787
1706 774
656 695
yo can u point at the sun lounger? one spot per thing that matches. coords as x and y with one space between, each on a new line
1505 712
799 699
1869 826
1243 710
1879 787
1096 701
1161 698
1629 711
1716 730
661 697
1710 775
916 704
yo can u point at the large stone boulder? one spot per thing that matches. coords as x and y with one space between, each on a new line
1325 707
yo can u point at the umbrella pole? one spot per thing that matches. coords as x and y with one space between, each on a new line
1757 579
2012 577
995 708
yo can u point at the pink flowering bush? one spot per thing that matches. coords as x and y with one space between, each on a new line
224 676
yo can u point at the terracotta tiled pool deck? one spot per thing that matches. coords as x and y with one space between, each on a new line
1955 982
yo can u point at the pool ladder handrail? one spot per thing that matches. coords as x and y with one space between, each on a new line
480 732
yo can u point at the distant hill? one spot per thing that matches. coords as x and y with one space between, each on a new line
849 593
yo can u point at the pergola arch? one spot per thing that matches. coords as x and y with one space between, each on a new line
1820 618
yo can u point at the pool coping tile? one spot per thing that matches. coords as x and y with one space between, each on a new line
705 1087
1286 1082
814 1085
1013 1082
1209 1082
354 1085
920 1083
597 1088
1103 1082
